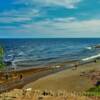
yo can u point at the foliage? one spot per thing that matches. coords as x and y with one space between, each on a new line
95 91
1 58
1 52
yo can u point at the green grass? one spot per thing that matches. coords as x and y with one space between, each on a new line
95 91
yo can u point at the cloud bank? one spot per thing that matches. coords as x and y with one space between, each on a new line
50 18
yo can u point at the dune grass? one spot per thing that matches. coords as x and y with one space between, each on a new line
95 91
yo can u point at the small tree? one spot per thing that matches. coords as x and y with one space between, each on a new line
1 58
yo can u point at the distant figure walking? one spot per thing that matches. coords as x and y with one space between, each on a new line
6 76
95 60
76 66
21 76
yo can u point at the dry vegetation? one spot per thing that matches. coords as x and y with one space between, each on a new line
29 94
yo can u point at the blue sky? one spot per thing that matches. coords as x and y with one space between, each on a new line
49 18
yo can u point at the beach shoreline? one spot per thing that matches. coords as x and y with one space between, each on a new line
71 81
29 75
32 75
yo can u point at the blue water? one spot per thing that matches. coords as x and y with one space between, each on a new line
34 52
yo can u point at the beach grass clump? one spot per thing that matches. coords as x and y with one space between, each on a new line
95 91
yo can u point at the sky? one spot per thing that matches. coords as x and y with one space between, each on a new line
49 18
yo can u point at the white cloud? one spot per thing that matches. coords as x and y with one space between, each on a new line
90 28
66 3
18 15
61 27
69 19
12 19
30 12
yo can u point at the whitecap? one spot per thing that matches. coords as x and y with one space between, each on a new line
21 53
91 57
89 48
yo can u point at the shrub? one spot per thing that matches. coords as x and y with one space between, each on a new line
1 58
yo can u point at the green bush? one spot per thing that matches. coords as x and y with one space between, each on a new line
95 91
1 58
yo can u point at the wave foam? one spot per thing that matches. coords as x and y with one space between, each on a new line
90 58
89 48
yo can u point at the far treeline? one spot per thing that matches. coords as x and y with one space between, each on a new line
1 57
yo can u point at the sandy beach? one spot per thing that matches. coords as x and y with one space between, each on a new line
68 80
68 84
20 77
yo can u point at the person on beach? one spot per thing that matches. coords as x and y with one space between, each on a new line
95 60
76 66
21 76
6 76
